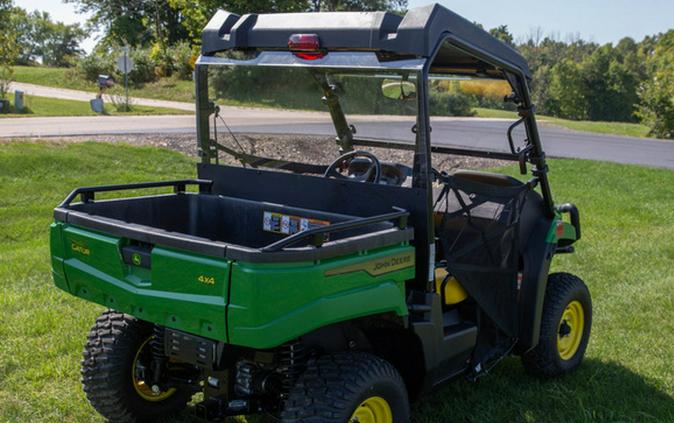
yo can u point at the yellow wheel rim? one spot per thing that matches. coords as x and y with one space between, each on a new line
143 389
373 410
570 330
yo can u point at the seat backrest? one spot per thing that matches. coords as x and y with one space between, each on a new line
487 178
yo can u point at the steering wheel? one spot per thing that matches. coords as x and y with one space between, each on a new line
371 174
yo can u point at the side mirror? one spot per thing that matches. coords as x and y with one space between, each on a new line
398 89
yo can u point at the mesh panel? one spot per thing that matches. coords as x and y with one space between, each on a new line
477 226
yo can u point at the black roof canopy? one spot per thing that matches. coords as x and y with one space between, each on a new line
468 49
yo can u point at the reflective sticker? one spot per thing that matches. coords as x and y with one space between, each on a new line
287 224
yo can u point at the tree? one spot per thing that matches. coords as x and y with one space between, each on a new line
8 33
133 22
357 5
196 13
566 92
657 92
8 47
610 87
57 43
502 33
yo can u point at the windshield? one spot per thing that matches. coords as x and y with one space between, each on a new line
313 114
264 107
284 113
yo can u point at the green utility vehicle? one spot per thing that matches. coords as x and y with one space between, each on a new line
334 291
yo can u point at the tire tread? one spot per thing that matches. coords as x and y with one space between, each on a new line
327 387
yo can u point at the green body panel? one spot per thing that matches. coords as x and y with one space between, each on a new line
271 303
569 231
184 291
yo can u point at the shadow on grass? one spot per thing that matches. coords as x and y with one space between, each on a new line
597 392
12 111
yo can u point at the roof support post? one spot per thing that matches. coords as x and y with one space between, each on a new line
536 156
203 111
422 178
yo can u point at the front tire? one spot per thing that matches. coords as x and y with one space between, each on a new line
348 387
565 327
116 345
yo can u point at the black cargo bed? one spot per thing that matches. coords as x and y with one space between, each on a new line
223 226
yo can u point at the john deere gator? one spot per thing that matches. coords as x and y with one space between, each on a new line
336 291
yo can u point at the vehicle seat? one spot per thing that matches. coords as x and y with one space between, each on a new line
487 178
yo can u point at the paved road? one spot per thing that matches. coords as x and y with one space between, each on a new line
463 132
65 94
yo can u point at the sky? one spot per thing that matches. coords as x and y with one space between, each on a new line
601 21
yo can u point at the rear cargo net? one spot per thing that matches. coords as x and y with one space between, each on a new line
477 226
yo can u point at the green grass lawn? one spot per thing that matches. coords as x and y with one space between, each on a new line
625 256
613 128
47 106
165 89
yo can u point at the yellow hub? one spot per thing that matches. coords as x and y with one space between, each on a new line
143 389
570 330
373 410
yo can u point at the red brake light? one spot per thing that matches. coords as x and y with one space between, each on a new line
559 229
305 46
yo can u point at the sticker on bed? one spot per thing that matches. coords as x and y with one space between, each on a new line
286 224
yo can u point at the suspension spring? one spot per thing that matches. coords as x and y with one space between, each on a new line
158 353
292 362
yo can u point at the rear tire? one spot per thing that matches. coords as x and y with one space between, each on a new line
565 327
110 355
348 387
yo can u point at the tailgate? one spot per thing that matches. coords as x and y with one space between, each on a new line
181 290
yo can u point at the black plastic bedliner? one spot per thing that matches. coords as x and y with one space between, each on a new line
230 227
213 217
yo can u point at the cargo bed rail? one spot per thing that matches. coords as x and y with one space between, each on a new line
88 193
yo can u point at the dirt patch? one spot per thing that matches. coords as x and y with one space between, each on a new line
299 148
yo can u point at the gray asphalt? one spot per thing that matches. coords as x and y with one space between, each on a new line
462 132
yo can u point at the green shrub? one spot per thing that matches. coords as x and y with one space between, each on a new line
89 67
6 74
143 67
182 58
163 59
450 103
657 106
